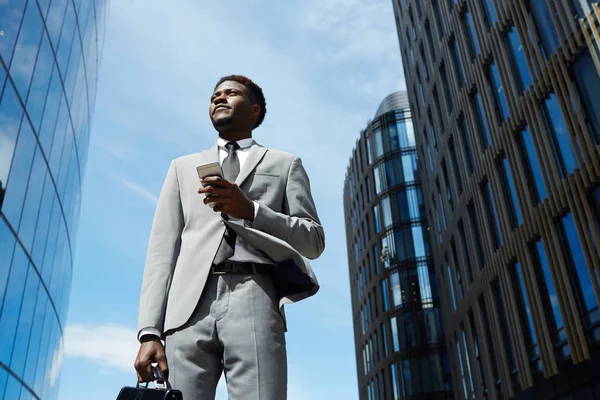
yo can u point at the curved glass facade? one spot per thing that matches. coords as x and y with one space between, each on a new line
400 348
503 99
49 52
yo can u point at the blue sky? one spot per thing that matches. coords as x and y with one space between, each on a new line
324 66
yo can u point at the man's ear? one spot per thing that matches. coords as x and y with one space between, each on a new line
256 109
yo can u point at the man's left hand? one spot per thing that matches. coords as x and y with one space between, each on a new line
227 198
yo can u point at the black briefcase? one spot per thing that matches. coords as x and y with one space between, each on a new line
161 391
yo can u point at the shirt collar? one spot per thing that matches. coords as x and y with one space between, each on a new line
244 143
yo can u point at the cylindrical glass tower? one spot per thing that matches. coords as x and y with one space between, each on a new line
399 341
49 52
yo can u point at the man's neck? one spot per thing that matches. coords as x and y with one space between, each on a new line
234 137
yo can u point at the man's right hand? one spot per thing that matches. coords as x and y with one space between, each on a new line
151 351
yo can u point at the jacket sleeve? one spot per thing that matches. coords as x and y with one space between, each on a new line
163 249
298 224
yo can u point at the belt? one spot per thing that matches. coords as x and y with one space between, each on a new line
241 268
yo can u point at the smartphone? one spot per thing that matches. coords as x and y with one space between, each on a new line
209 169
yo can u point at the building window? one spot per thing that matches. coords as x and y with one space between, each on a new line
491 17
384 295
465 138
376 218
438 110
446 87
458 64
480 370
509 191
581 279
455 169
491 212
384 339
471 34
430 40
545 26
518 59
481 119
395 337
457 269
476 233
451 284
396 293
439 18
462 370
467 359
509 350
489 344
433 328
559 135
525 317
549 298
409 331
395 384
533 171
465 250
498 93
586 78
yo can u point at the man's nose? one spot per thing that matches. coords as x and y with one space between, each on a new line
219 99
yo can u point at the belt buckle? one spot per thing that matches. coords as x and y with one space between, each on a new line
216 272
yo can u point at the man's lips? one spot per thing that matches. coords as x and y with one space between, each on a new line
221 108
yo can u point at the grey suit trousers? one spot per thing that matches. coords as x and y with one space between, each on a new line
236 329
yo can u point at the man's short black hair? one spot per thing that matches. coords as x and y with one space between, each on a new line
256 93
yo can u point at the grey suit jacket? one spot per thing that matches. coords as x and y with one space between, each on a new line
186 234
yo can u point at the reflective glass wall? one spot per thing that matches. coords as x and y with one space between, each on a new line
506 103
399 339
49 52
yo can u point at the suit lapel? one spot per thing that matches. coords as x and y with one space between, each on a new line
256 154
210 155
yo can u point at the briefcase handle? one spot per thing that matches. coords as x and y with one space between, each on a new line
160 382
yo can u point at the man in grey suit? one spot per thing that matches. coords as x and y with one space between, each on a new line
224 256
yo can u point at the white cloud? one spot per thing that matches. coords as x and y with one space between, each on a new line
107 345
136 189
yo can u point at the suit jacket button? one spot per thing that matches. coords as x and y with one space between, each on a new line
225 216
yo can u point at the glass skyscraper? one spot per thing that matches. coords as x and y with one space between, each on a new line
505 97
49 52
399 341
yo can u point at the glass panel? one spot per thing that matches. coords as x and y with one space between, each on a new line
492 215
10 119
544 24
548 292
10 21
433 328
451 285
19 176
505 330
396 294
13 296
466 142
510 193
587 79
384 293
395 337
471 34
559 135
577 266
484 130
519 60
491 12
377 142
499 91
535 180
21 68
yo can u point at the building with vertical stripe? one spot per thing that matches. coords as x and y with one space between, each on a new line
505 101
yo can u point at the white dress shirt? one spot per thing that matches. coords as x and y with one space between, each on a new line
242 252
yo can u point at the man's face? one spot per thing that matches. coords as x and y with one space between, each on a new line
231 109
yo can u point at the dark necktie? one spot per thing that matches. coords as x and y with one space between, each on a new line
231 169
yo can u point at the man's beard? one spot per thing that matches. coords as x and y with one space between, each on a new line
223 121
